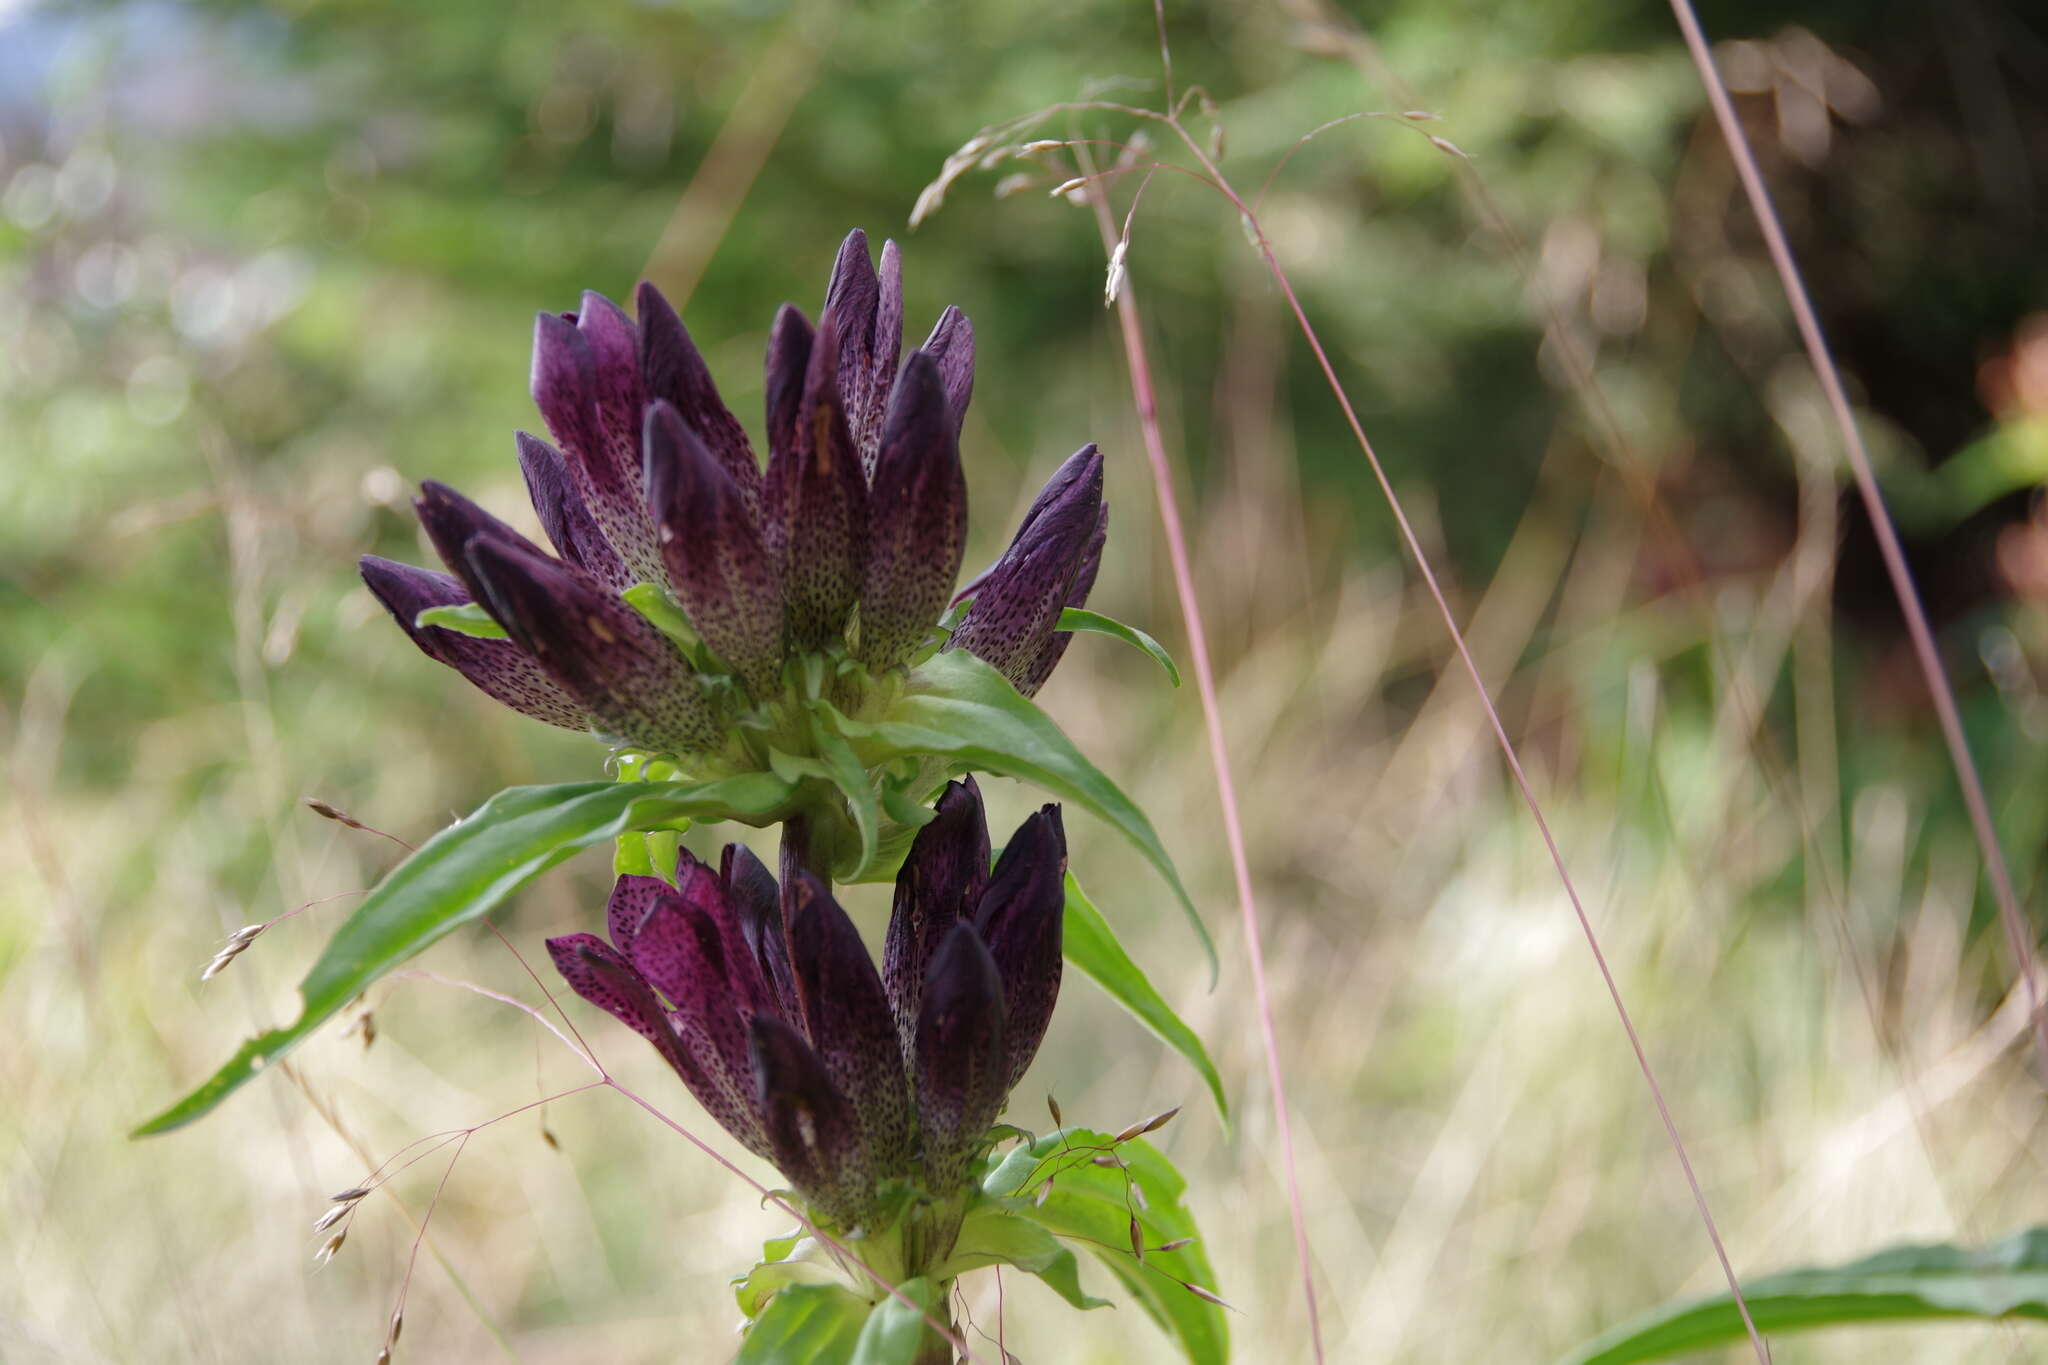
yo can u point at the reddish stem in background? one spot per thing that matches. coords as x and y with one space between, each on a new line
1145 396
1894 555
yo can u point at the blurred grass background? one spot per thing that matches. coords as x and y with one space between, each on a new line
263 267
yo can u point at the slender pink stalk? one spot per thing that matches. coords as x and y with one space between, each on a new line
1146 397
1880 520
1507 748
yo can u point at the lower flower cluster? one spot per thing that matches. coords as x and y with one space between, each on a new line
853 1081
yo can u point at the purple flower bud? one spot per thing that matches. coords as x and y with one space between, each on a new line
919 519
848 1020
1077 596
866 312
817 497
939 885
959 1055
563 515
604 654
1020 917
813 1136
1018 602
673 370
497 667
600 974
722 574
583 393
952 345
759 902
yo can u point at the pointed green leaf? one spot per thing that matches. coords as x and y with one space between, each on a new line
2006 1279
994 1235
806 1324
798 1266
1079 618
848 774
1092 1205
895 1331
468 618
1092 946
462 873
956 706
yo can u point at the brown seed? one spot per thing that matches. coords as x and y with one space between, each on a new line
1044 1193
1054 1105
1138 1197
1204 1295
349 1196
1107 1159
332 1245
1175 1245
547 1135
334 813
331 1217
1137 1239
397 1324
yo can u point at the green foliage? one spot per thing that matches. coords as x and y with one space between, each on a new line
1091 945
1902 1284
461 874
1079 618
807 1324
1058 1183
958 708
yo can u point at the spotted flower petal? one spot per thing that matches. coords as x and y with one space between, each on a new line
1018 602
728 585
959 1055
939 884
604 654
499 668
674 371
848 1019
563 515
1020 918
817 498
919 519
813 1134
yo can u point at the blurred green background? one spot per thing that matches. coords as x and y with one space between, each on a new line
264 267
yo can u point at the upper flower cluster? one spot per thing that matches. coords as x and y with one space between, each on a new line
766 1002
694 591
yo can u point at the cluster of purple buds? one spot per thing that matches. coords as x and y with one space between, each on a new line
767 1004
694 591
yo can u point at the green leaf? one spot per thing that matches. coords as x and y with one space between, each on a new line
852 780
467 619
1092 946
1078 618
2006 1279
798 1266
956 706
1092 1205
895 1331
992 1234
459 875
806 1324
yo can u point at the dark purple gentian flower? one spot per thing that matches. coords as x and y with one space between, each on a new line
848 544
767 1004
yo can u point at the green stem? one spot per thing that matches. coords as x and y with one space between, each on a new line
933 1349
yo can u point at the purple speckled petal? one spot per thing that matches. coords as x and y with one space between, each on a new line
706 890
850 1024
817 503
888 343
598 973
813 1135
1020 918
451 521
677 948
789 359
918 522
564 516
632 900
952 345
620 394
959 1056
759 901
1077 596
673 369
940 884
604 654
729 586
1018 602
853 299
497 667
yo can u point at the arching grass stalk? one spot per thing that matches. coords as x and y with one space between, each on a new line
1894 555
